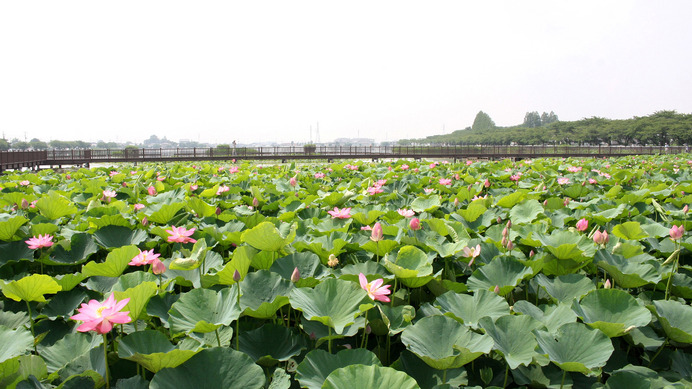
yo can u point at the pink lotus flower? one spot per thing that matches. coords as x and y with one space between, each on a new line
592 181
676 232
380 182
222 189
445 181
366 228
160 178
414 224
600 237
472 252
428 190
193 187
113 173
233 169
405 212
181 235
108 194
319 175
515 177
469 162
574 169
582 225
375 290
144 258
255 202
25 183
138 206
40 241
563 180
151 190
157 267
293 181
404 167
373 190
344 213
377 233
100 317
486 183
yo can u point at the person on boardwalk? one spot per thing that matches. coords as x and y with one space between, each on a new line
234 144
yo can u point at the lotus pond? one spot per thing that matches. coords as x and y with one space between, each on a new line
401 274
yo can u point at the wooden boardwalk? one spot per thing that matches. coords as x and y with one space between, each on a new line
58 158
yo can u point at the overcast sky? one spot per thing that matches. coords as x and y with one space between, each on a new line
216 71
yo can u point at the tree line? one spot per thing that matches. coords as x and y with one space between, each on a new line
659 128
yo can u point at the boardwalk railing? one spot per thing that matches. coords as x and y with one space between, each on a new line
35 159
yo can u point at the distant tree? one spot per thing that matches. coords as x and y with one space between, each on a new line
482 122
547 118
19 145
532 119
4 144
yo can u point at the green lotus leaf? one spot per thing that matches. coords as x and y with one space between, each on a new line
263 293
271 343
318 364
576 347
380 248
200 207
164 213
511 199
362 376
447 249
676 319
323 245
63 304
55 206
152 349
81 247
629 231
334 303
13 320
367 219
118 236
426 376
638 377
10 226
15 251
503 272
443 344
473 211
608 214
397 318
14 342
242 257
330 226
218 367
567 287
536 376
551 316
564 244
139 297
627 273
115 264
525 212
308 265
69 281
410 262
265 236
612 311
69 348
194 260
422 204
31 288
513 338
204 310
470 309
15 370
321 333
108 220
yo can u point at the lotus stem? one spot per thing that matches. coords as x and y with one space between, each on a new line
218 340
504 384
391 302
444 376
31 323
673 271
329 341
564 374
237 322
105 355
657 352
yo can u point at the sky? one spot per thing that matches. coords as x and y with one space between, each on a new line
276 71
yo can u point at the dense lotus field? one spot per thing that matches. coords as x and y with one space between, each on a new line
400 274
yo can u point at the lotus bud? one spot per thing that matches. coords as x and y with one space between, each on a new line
293 181
332 261
368 329
25 204
499 220
414 224
255 202
145 221
497 289
582 225
566 201
504 241
676 232
600 237
607 285
218 211
68 176
236 275
151 190
685 209
486 183
545 203
124 184
510 245
157 267
509 223
295 276
456 202
505 232
376 235
531 253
